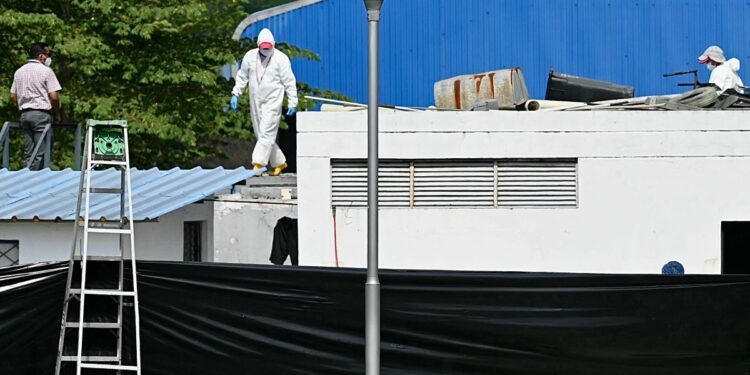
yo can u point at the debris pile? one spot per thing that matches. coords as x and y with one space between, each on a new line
505 89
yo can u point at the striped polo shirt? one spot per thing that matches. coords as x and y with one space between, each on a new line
32 84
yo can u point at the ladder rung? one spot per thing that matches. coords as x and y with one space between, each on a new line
100 325
104 292
101 258
101 224
108 162
109 367
106 191
89 358
109 230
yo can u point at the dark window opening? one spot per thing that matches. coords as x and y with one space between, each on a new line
735 247
8 253
192 247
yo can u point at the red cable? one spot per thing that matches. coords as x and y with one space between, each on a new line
335 241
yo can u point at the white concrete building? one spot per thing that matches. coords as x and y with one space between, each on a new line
196 215
160 239
244 221
601 191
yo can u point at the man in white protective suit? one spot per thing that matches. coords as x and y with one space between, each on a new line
269 73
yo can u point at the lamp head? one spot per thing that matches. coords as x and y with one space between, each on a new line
373 5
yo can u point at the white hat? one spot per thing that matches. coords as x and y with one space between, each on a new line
714 53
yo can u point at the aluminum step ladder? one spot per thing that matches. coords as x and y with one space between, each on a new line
106 146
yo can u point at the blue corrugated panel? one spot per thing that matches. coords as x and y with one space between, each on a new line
631 42
51 195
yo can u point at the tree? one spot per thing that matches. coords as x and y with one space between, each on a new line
154 63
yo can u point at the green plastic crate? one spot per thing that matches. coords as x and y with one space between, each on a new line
108 139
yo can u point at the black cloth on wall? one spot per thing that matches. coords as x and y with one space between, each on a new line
285 242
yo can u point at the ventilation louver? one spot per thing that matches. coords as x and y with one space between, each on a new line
459 183
454 183
349 183
537 183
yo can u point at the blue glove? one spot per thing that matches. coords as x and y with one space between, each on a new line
233 103
291 112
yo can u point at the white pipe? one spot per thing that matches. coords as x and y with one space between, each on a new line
531 105
360 105
334 101
339 108
555 105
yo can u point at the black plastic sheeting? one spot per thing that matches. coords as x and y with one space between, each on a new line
31 300
203 318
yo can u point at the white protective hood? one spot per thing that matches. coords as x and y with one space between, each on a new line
733 64
725 75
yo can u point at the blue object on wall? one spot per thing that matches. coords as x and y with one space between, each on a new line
673 268
631 42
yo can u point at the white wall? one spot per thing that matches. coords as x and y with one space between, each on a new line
161 240
164 241
653 187
244 230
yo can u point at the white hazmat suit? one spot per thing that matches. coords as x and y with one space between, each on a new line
723 71
268 78
725 75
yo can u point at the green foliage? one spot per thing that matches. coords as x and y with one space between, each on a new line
154 63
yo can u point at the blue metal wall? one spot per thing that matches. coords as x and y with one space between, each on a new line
625 41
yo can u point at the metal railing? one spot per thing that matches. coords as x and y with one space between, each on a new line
47 135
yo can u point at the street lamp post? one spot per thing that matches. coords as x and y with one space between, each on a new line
372 285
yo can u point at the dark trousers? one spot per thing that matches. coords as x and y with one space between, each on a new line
33 124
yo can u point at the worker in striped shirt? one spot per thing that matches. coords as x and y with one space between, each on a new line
35 90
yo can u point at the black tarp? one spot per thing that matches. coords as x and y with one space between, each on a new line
202 318
31 300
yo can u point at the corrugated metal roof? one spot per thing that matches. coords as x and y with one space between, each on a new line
51 195
632 42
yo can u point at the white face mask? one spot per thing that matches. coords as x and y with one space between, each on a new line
266 52
710 67
48 62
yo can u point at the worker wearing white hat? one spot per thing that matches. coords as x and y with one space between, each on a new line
723 71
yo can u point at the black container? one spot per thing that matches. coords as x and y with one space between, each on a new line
565 87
